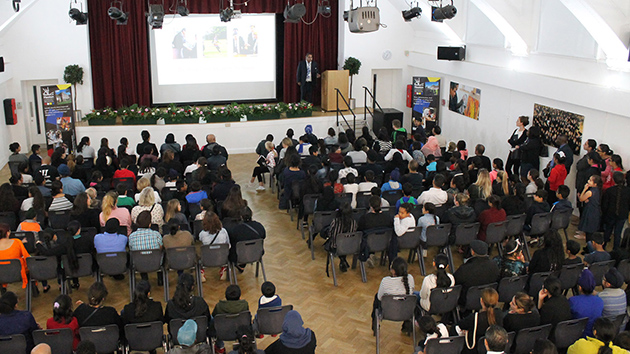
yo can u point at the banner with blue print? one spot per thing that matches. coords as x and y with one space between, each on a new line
59 117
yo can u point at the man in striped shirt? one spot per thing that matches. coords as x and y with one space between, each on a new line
613 296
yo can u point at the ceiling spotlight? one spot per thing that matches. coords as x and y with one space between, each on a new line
293 14
182 10
324 8
80 17
117 14
226 14
16 5
155 17
412 13
438 14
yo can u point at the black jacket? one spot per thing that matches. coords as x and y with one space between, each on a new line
616 202
301 72
477 271
530 151
459 215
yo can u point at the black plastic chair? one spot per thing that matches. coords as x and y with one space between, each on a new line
560 220
444 300
447 345
348 244
396 308
144 336
179 259
599 269
509 286
391 210
437 236
193 210
308 208
270 319
411 241
27 238
617 321
464 235
175 324
525 338
344 198
358 213
147 261
321 219
251 252
105 339
392 196
363 200
569 275
11 272
515 225
15 343
495 234
217 256
378 241
59 340
481 347
59 219
226 325
40 269
568 332
127 181
85 269
536 283
9 218
624 268
197 228
474 294
114 263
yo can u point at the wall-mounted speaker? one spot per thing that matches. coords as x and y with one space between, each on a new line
451 53
9 111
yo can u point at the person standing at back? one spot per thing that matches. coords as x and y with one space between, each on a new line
307 73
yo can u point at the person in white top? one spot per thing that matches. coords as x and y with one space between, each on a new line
440 279
404 221
84 149
432 329
496 340
351 187
348 168
435 195
398 149
398 283
192 167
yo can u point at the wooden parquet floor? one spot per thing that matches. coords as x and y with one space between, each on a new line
339 316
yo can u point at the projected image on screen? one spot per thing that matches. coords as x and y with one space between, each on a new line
201 59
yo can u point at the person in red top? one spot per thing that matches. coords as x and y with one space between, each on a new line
556 177
124 172
617 166
494 214
63 318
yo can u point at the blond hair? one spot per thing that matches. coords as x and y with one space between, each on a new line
484 183
147 197
143 183
269 145
171 209
109 204
505 182
288 142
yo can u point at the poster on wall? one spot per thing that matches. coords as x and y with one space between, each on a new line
426 101
554 122
464 100
59 117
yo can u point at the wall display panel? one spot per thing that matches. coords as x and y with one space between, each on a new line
554 122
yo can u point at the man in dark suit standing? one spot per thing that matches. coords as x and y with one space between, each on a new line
307 73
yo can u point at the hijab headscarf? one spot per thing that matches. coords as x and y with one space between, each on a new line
293 334
432 147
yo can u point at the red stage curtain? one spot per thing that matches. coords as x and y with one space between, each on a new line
120 54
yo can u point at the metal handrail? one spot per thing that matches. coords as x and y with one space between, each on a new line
367 110
340 112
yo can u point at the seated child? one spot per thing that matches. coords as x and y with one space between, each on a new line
562 204
267 300
205 205
231 305
197 194
123 199
368 182
538 206
407 198
351 187
573 248
30 223
596 250
497 165
431 163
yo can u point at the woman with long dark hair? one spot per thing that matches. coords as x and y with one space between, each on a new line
142 309
35 200
343 223
13 321
521 314
440 279
86 150
591 214
63 317
600 343
399 282
184 305
58 157
550 257
190 151
95 313
9 201
246 342
518 138
82 212
170 144
233 204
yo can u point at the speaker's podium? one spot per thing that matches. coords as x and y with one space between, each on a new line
331 80
384 118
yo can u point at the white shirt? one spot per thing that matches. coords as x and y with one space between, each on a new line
191 168
354 189
436 196
405 155
309 75
402 226
27 204
345 171
367 186
429 283
358 156
443 331
222 237
394 286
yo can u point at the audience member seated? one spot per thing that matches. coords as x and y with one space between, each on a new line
368 183
60 201
124 171
221 189
550 258
216 159
169 162
415 178
30 222
553 306
431 330
187 341
176 237
303 146
144 238
501 185
599 342
13 321
475 325
441 279
294 337
291 174
174 213
427 219
63 318
95 313
399 148
512 264
110 240
140 148
403 222
358 155
572 251
40 182
332 180
491 215
19 190
233 204
233 304
144 183
586 304
432 147
522 314
142 309
12 248
77 244
9 202
539 206
184 305
496 338
147 202
596 249
613 296
213 233
514 204
82 212
327 201
399 282
48 245
110 210
342 223
209 149
245 230
123 199
461 213
435 195
478 270
347 169
392 184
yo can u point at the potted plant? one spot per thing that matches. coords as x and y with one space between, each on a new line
221 114
105 116
352 65
73 74
177 115
300 109
264 111
137 115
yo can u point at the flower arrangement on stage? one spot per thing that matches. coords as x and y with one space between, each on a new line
264 109
297 108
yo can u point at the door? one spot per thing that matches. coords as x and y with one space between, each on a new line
388 87
34 111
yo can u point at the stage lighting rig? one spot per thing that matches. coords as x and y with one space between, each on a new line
78 15
412 13
155 16
324 8
293 14
16 5
363 19
441 13
182 8
117 13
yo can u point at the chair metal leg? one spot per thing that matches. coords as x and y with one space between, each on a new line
29 294
198 274
257 266
525 247
449 254
332 267
566 236
302 230
310 237
131 285
413 330
363 275
421 260
166 285
378 331
262 267
234 272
